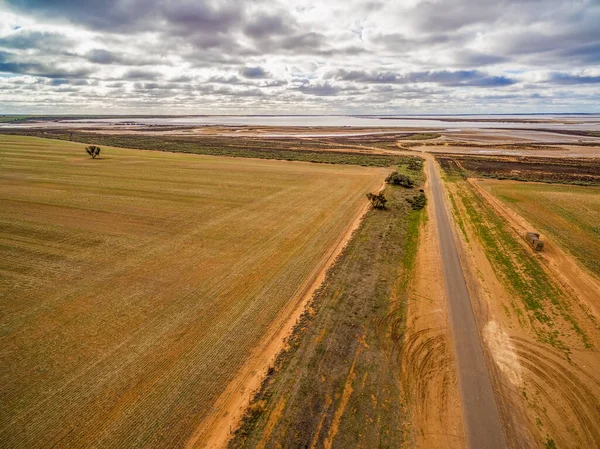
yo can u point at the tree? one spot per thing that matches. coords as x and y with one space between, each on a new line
93 151
400 180
378 200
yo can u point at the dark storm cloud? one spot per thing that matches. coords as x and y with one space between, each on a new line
254 72
467 78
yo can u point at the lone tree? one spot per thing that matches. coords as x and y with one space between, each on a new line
93 151
398 179
378 200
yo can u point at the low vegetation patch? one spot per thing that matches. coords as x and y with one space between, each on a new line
422 136
291 149
584 171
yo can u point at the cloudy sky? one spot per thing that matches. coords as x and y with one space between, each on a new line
299 56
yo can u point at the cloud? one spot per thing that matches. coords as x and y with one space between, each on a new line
106 57
27 40
139 74
266 25
254 72
100 56
565 78
9 64
319 89
300 55
459 78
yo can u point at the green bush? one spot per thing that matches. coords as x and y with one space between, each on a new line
418 202
415 165
398 179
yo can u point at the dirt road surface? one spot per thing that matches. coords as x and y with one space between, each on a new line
483 428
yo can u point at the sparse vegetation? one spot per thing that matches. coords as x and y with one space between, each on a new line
585 171
550 444
422 136
415 165
290 149
13 118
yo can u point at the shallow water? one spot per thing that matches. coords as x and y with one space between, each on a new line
579 122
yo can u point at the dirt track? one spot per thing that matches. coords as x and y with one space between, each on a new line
480 412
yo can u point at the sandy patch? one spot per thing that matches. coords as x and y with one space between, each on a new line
503 352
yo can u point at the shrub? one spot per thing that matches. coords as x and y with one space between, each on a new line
378 200
415 164
418 202
93 151
397 179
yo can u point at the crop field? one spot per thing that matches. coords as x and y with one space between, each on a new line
133 286
570 215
